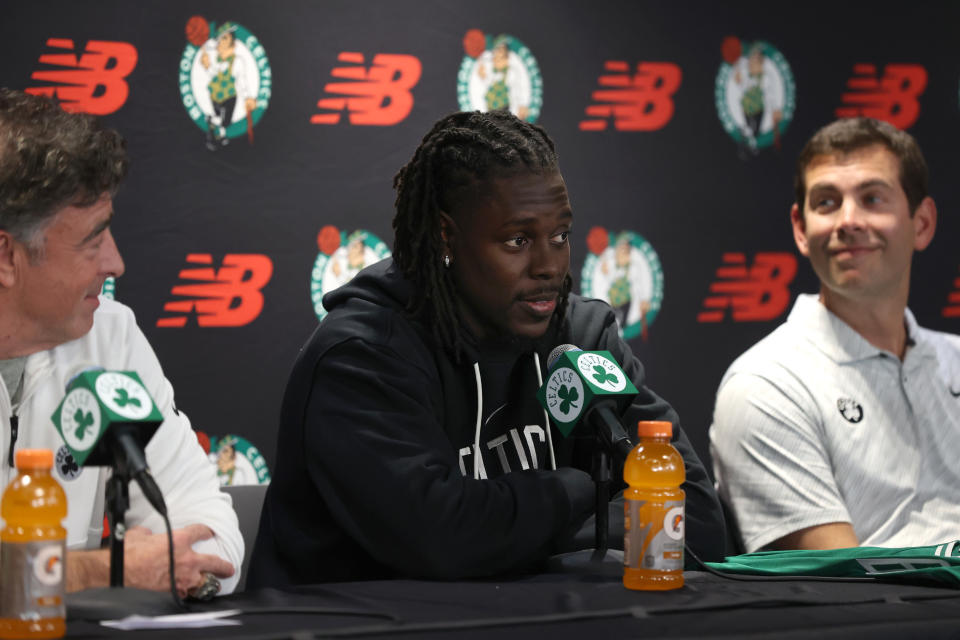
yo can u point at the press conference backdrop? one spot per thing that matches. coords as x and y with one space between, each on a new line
264 138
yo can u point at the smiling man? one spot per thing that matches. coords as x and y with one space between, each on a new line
842 428
58 174
411 440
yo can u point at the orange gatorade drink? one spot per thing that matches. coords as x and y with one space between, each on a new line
32 551
654 511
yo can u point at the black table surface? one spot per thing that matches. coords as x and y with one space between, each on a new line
575 599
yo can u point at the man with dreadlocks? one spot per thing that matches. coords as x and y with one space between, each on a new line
411 440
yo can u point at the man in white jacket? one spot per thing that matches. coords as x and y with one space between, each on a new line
58 174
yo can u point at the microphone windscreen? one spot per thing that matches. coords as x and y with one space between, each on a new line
79 371
558 351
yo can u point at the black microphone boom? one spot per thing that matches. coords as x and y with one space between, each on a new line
604 419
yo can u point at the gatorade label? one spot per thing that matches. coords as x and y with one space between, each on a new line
653 535
31 586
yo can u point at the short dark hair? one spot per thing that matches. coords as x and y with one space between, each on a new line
853 134
50 159
460 152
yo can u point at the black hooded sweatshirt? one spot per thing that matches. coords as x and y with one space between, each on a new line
376 473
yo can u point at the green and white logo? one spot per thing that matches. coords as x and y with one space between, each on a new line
341 257
499 73
124 396
624 270
602 372
80 419
225 80
109 288
238 461
564 395
755 93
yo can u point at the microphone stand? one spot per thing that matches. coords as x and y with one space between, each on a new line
611 440
118 501
601 479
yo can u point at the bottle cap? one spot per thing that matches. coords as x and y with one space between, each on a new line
34 459
654 429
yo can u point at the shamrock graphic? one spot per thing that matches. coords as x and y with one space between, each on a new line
123 399
568 395
69 466
602 376
83 421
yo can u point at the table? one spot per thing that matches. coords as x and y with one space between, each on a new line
576 600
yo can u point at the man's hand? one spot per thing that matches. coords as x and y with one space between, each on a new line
146 562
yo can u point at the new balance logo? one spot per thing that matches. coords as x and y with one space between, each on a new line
639 102
94 82
952 310
226 297
379 95
752 295
892 97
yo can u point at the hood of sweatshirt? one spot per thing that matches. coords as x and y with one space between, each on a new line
382 286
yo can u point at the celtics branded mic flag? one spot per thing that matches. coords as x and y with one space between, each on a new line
579 380
94 401
922 565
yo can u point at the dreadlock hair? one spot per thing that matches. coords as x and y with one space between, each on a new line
461 151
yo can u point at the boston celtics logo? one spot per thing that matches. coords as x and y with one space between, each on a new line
124 396
238 461
65 464
341 257
499 73
602 372
754 93
625 271
109 288
80 419
564 395
225 80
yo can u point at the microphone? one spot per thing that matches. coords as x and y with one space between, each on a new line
107 418
588 386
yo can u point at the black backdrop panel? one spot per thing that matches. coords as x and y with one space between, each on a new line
687 189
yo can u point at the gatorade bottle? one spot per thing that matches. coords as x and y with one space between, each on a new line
32 548
653 510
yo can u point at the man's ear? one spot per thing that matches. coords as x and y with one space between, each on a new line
924 223
7 266
799 229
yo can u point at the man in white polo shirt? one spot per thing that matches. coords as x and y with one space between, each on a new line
58 174
842 427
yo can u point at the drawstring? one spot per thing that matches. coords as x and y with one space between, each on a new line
546 418
476 437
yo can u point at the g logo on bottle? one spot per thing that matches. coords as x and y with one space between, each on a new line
673 523
48 565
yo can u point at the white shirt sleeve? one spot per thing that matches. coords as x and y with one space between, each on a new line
769 460
185 476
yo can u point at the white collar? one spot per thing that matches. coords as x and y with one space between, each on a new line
838 340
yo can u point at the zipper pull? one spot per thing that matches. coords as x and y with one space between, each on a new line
14 430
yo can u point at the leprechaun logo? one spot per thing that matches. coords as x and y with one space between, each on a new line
109 288
624 270
499 73
755 94
225 80
341 257
238 461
